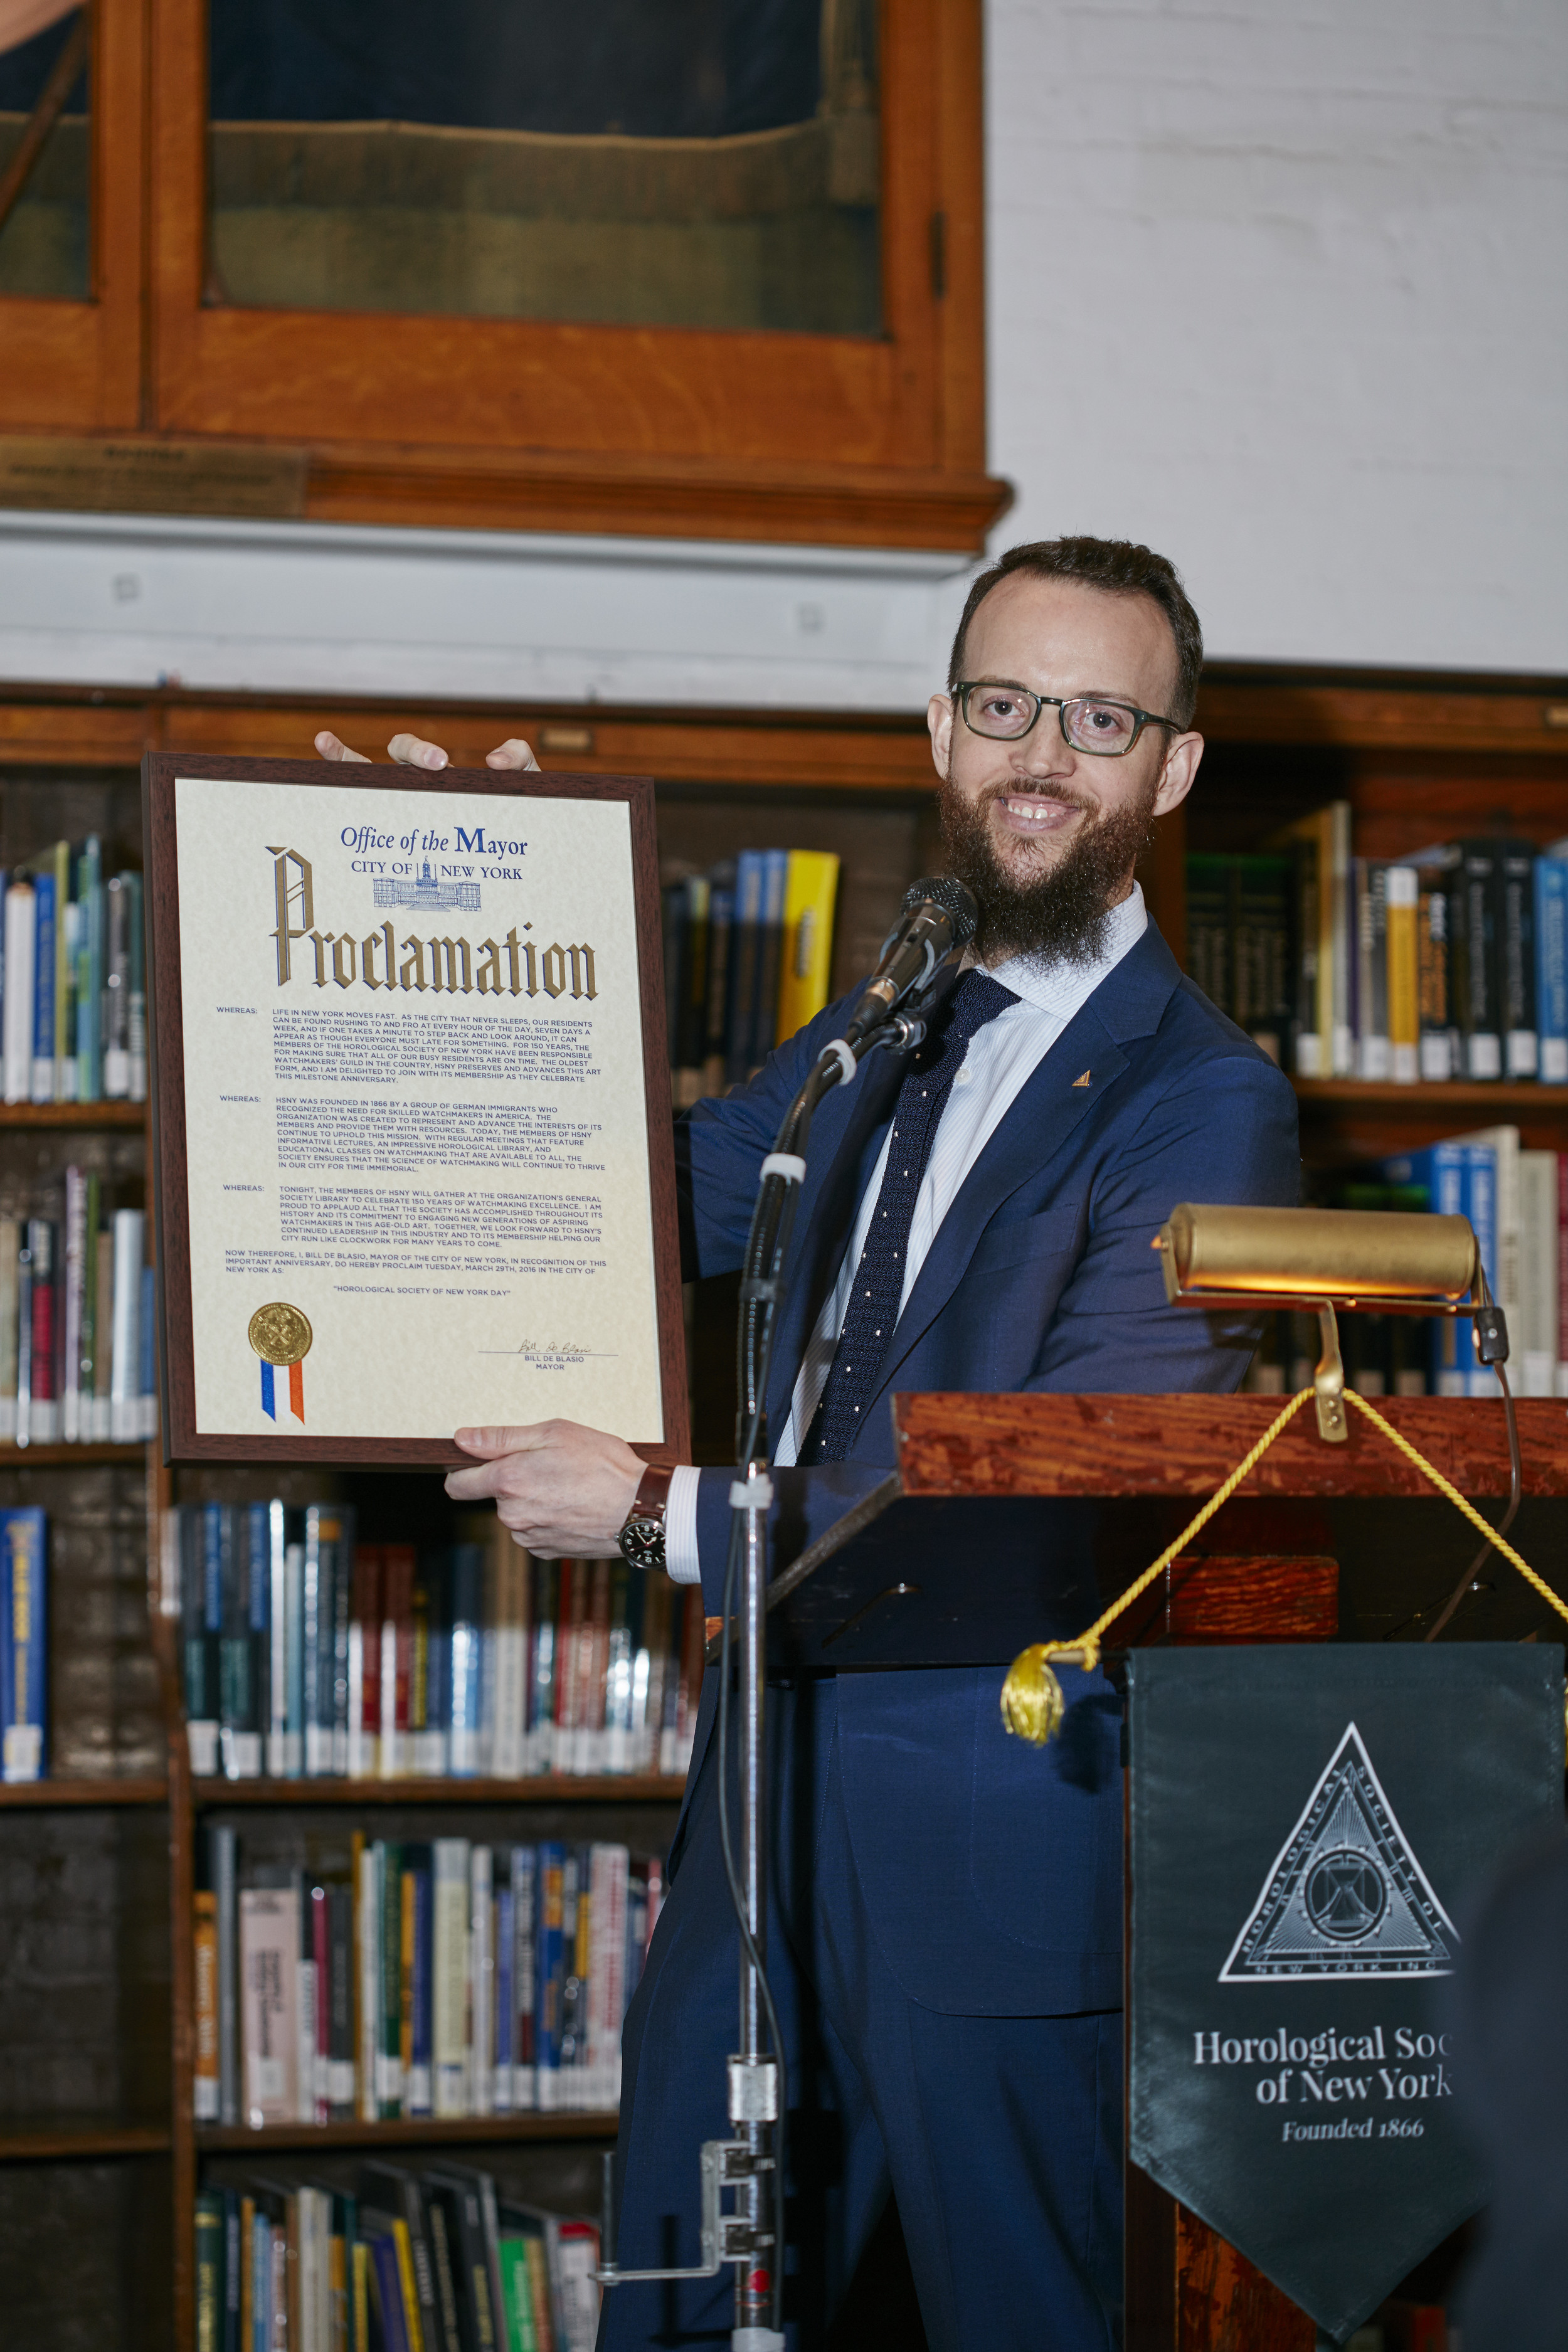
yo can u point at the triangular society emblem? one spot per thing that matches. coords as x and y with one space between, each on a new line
1084 1080
1345 1895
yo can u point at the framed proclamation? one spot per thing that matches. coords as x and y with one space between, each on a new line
414 1165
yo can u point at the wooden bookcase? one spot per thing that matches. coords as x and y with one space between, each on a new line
99 2156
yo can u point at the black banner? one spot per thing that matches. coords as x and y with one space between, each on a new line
1307 1825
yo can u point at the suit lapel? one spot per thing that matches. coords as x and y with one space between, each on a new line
1038 1124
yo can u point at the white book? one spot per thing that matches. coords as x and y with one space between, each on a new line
1533 1362
449 1975
369 2037
609 1873
125 1375
269 1977
17 1022
393 1760
305 2064
481 1979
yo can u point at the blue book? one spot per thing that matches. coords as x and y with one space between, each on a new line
465 1656
1480 1207
24 1635
1551 968
745 947
550 1964
770 952
524 1974
44 916
1439 1170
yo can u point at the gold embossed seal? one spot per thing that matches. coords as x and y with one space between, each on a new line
279 1334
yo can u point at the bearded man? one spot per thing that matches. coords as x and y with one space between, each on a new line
945 1916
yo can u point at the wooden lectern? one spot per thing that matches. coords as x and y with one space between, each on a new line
1062 1500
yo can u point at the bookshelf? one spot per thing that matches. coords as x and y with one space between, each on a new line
100 2158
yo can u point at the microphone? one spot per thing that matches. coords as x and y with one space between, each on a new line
939 917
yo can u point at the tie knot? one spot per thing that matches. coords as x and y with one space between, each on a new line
977 999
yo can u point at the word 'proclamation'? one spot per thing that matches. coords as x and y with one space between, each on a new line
416 1121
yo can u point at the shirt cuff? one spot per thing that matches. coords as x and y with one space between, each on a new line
681 1562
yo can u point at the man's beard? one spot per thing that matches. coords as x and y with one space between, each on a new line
1059 914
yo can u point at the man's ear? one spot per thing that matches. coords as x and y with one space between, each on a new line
1176 775
939 718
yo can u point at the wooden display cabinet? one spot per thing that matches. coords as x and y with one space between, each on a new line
99 2167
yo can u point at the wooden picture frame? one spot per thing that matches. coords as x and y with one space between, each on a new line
184 1440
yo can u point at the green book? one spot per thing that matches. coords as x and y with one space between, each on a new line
209 2272
517 2295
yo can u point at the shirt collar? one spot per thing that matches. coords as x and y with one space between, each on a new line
1060 987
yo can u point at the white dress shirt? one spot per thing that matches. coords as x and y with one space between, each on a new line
1002 1059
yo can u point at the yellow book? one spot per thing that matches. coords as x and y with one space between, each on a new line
206 2065
811 890
1404 888
401 2240
359 2339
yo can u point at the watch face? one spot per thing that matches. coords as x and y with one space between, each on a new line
642 1543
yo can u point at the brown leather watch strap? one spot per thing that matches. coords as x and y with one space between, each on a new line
653 1492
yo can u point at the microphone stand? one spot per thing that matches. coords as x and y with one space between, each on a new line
750 2234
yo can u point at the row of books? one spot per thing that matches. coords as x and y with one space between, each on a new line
748 952
78 1321
311 1655
1450 963
438 2260
439 1978
1517 1202
73 991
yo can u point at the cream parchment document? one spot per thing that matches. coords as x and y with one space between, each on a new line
415 1112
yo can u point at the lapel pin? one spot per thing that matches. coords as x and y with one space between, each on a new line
1083 1081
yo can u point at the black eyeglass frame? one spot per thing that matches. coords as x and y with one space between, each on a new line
963 688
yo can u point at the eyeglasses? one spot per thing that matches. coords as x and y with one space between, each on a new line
1088 721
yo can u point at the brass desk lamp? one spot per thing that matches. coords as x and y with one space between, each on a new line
1319 1260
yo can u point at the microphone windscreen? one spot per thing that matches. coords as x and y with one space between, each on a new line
955 899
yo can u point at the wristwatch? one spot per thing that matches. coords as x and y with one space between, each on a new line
642 1537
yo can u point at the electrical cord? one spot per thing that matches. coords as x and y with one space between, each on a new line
1491 1342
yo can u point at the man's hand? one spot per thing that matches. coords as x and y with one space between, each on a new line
413 751
563 1490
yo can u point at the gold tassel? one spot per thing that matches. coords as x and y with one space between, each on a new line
1032 1702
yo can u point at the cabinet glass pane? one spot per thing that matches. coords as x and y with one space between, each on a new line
650 163
44 163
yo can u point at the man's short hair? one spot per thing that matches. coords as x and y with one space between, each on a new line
1120 567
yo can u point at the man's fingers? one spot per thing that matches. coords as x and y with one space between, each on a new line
513 753
487 1443
332 747
413 751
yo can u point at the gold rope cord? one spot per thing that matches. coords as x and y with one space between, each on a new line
1032 1701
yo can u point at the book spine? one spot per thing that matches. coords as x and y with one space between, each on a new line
307 2001
481 1981
1482 1208
548 1945
1516 957
389 2051
10 1254
465 1660
44 961
770 953
116 991
23 1728
509 1729
268 1961
16 1012
524 1975
125 1418
43 1426
1551 968
64 1038
421 2086
745 947
367 1975
316 1638
542 1648
76 1256
450 1971
320 2074
103 1347
1402 885
504 1944
340 2071
136 988
222 1859
204 1983
1562 1274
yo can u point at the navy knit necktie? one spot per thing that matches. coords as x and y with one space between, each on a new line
879 1285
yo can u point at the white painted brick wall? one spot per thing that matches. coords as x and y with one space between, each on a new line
1283 288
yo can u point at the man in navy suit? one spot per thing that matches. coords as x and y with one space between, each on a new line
945 1917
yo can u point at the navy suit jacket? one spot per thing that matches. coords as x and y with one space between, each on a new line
992 1869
